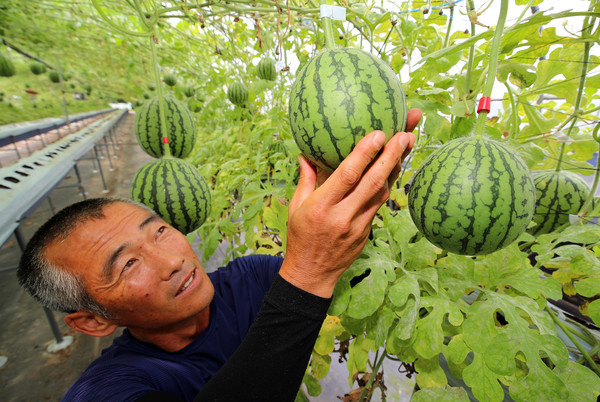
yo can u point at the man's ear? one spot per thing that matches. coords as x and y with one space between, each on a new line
90 323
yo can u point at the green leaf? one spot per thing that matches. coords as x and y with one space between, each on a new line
429 333
594 311
510 267
518 72
319 365
457 350
452 394
526 331
589 287
366 296
538 124
358 355
330 329
430 373
583 384
483 382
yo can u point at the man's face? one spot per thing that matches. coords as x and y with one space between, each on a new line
141 269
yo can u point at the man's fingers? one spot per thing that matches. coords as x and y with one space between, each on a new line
373 188
349 172
306 184
412 119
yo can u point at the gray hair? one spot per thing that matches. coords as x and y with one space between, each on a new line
54 286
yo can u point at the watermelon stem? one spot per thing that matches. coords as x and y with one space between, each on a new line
586 31
328 29
491 78
450 19
515 111
470 7
161 101
583 352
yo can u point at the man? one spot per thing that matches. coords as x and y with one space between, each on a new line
109 263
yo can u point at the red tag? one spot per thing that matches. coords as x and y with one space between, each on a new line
165 140
484 104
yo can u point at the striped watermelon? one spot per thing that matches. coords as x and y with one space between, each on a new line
53 75
237 93
189 91
180 128
472 196
37 68
170 80
175 190
266 69
559 194
340 96
7 68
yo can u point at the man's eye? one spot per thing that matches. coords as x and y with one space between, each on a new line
129 263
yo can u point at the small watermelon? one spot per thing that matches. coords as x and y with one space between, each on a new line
266 69
339 97
53 75
194 105
559 194
237 93
189 91
472 196
7 68
170 80
175 190
181 130
37 68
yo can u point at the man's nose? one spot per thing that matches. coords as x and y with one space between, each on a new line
165 261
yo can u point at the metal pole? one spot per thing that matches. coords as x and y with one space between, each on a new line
100 170
51 319
79 182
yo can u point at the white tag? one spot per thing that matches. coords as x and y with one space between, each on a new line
333 12
573 219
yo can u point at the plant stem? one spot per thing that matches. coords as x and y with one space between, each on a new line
161 100
373 375
515 111
575 341
588 23
470 7
328 29
491 78
450 19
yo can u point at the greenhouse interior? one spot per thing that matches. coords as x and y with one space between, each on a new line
299 200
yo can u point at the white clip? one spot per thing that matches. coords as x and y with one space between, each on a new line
333 12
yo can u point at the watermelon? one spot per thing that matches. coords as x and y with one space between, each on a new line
194 105
559 194
266 69
339 97
189 91
175 190
53 75
170 80
37 68
472 196
7 68
237 93
181 130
